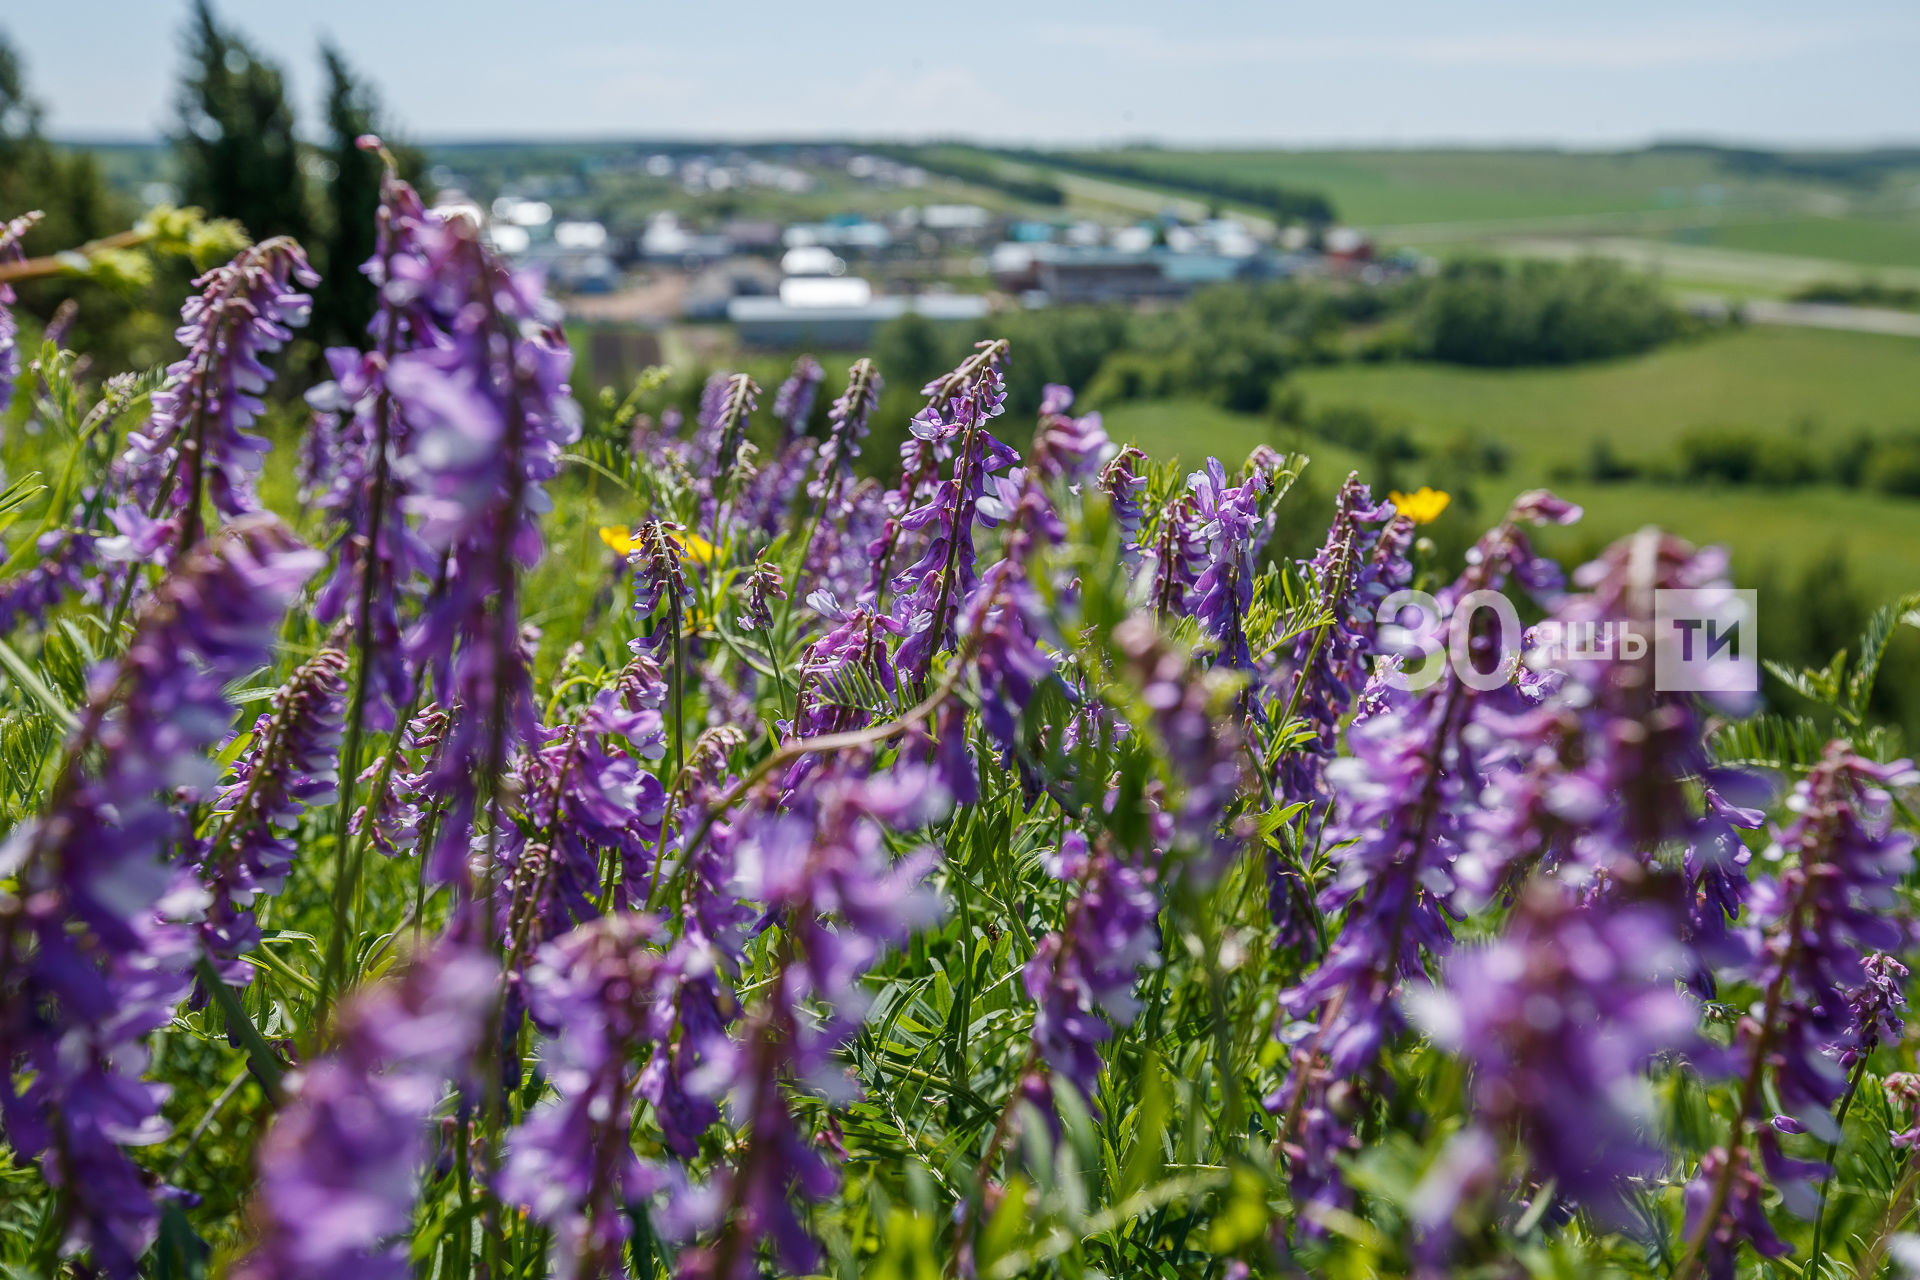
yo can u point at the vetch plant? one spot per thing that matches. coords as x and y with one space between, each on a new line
718 852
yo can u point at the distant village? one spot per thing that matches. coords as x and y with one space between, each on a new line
831 282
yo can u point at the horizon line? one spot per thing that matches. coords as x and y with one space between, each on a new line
456 141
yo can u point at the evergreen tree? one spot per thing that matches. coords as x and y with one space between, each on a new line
238 155
343 304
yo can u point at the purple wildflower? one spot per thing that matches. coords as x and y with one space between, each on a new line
585 800
1004 620
1405 800
1087 967
289 765
825 874
96 936
1066 448
402 806
1740 1215
358 435
1228 520
763 584
929 591
1362 560
339 1166
1201 743
10 235
1558 1018
793 399
1842 863
489 411
570 1163
1174 558
62 556
846 428
1876 1005
1121 481
198 434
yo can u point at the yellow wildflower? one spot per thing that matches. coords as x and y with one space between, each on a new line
1422 506
692 545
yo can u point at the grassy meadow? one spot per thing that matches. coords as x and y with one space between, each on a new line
1823 386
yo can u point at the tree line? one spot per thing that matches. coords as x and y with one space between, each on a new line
238 154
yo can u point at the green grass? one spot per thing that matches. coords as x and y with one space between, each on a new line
1386 188
1767 380
1764 379
1466 199
1866 241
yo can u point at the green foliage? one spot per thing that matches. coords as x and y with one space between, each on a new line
77 206
1283 203
1861 293
235 139
1491 312
981 171
343 301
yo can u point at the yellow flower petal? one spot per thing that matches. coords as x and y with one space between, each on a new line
1422 506
694 547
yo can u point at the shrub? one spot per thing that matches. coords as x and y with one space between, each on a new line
1489 312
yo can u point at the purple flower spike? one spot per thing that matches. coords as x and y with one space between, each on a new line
489 410
96 940
1087 968
1812 927
846 428
793 399
291 764
929 592
1121 481
1065 448
198 434
338 1169
570 1163
10 234
1229 524
1364 558
359 440
1559 1017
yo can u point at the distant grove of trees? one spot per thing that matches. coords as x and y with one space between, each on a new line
1284 204
981 173
1493 312
1234 345
238 156
1864 168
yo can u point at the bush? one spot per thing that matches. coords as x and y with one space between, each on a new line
1485 312
1604 466
1717 453
1894 467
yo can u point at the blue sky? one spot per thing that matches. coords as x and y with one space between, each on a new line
1338 71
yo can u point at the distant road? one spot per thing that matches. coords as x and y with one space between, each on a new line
1814 315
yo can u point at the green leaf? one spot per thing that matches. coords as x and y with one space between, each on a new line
266 1064
35 686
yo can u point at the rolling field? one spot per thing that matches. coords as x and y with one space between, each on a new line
1828 385
1700 221
1867 242
1391 188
